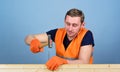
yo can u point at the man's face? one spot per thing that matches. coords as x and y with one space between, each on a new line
72 25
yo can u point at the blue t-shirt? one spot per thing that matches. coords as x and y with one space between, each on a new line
87 39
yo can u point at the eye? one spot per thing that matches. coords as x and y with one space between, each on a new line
75 25
68 24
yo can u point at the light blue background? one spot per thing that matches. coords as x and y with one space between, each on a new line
19 18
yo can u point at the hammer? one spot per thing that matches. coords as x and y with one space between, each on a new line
49 43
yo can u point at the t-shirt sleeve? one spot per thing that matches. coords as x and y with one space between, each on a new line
88 39
52 33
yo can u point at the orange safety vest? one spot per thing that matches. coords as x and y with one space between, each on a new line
73 49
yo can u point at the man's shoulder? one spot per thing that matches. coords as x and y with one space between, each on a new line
88 39
89 32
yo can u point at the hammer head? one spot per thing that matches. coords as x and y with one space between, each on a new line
49 41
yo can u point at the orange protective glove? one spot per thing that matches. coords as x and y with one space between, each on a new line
55 62
34 46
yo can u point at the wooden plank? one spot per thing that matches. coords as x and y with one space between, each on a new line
63 68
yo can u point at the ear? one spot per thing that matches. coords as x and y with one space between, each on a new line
64 21
83 25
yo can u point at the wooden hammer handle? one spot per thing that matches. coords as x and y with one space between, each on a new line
49 43
43 45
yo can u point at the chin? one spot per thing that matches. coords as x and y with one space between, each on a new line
70 35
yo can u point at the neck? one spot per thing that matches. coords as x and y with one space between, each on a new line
71 37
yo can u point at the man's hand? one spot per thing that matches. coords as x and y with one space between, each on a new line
55 62
34 46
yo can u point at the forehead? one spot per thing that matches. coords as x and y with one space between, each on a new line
72 19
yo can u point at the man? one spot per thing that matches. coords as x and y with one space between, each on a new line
73 43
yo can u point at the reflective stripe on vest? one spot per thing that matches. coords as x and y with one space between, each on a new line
67 58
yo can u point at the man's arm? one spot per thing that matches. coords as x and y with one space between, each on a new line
84 55
43 38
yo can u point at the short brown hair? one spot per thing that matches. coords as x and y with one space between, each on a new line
76 13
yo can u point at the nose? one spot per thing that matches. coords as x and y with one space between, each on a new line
70 28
